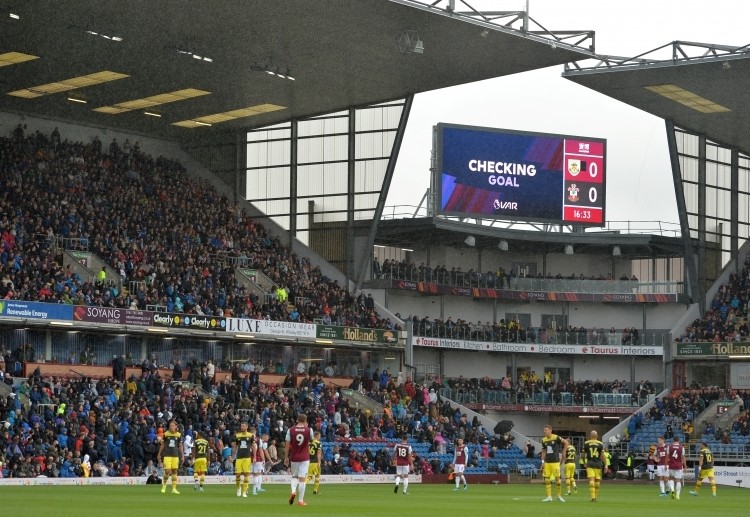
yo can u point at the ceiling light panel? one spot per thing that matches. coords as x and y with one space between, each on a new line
154 100
13 58
68 84
190 124
229 115
687 98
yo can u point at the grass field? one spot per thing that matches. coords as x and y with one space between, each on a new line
365 500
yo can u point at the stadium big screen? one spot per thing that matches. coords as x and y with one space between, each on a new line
503 174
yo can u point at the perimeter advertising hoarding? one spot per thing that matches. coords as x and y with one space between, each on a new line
36 310
112 315
504 174
193 321
537 348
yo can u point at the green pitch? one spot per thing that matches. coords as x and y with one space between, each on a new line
365 500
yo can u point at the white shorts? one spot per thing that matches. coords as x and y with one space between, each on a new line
651 468
299 468
675 473
259 467
661 471
402 470
458 468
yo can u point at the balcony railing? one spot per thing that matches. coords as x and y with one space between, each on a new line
515 283
493 333
499 396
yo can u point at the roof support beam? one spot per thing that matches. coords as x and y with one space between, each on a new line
691 271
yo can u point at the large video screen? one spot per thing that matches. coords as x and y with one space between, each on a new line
515 175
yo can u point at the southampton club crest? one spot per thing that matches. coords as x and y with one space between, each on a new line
573 191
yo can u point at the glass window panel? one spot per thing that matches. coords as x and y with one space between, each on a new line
366 202
689 168
374 145
321 149
369 175
267 183
710 202
711 171
274 207
693 225
377 118
724 155
743 204
711 152
302 234
320 179
687 143
323 126
282 220
724 176
691 196
724 204
265 154
742 179
270 133
330 208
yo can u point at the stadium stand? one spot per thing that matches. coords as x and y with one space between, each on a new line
172 241
51 424
726 317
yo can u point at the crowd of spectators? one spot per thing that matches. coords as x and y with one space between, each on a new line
173 240
116 426
739 429
513 331
678 410
67 427
530 383
455 276
726 317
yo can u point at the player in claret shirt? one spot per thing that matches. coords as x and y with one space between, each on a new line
403 461
662 469
677 463
297 456
259 461
460 459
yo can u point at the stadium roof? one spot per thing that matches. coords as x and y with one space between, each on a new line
202 63
700 87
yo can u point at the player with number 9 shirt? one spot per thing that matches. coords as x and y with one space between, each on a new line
297 457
